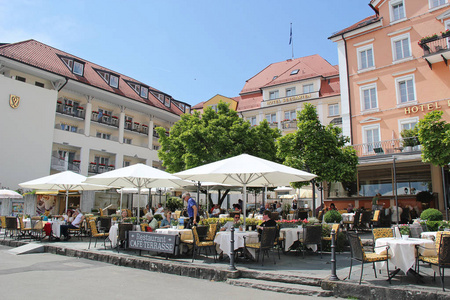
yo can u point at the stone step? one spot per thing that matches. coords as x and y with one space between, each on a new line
276 277
27 249
281 287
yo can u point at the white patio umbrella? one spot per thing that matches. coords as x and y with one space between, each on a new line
136 176
4 194
246 170
67 181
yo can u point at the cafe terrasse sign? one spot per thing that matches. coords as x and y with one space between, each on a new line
424 107
149 241
288 99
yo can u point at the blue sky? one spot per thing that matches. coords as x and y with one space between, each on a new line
191 50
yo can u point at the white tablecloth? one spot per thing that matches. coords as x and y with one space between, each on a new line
185 234
430 235
114 231
56 227
403 252
349 217
291 236
221 216
223 239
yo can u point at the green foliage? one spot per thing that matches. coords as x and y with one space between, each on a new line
431 214
332 216
434 136
404 230
318 149
197 139
433 225
340 239
410 137
174 203
424 197
158 217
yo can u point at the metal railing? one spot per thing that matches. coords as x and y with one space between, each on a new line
434 46
59 164
100 168
69 110
394 146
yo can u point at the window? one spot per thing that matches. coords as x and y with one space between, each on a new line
101 161
70 106
405 89
294 72
273 95
114 81
371 137
290 115
401 47
104 115
308 88
397 10
214 107
368 94
78 68
140 89
271 118
128 122
167 101
144 92
70 128
290 92
127 141
20 78
365 57
274 77
126 163
333 110
39 84
407 124
75 66
252 120
102 135
436 3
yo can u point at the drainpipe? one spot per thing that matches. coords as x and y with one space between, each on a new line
348 89
63 84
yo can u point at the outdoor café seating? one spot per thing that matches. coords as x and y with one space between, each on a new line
122 237
198 244
312 235
95 234
24 231
265 245
358 254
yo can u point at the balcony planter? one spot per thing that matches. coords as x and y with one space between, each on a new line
446 33
111 166
80 107
428 39
76 161
115 117
127 121
93 163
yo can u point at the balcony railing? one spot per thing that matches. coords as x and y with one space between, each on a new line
69 110
105 119
436 50
290 124
60 164
136 127
386 147
100 168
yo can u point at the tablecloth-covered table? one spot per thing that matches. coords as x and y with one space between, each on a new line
403 252
291 235
430 235
348 217
185 234
223 239
114 231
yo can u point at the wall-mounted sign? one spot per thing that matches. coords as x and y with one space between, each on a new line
14 101
424 107
288 99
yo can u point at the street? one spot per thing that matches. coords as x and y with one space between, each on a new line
49 276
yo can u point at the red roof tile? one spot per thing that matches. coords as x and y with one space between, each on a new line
279 73
45 57
249 102
364 22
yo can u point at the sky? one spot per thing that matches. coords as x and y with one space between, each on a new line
189 49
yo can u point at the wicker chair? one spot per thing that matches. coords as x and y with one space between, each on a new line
24 231
265 245
358 254
198 244
3 223
442 260
122 236
376 218
11 226
95 234
381 233
211 232
336 227
312 235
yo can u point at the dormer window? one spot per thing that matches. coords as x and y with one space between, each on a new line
274 77
295 72
159 96
109 78
139 89
75 66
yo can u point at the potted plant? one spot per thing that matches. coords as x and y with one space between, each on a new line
409 138
446 33
404 231
427 39
332 216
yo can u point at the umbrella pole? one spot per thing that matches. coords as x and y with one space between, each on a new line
121 197
245 203
67 199
138 205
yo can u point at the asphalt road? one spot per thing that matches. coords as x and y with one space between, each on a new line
49 276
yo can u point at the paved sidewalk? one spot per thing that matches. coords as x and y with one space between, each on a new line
291 267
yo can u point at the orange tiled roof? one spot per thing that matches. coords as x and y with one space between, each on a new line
364 22
42 56
279 73
249 102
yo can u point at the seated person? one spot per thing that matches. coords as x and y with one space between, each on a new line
294 205
263 208
230 224
215 211
279 209
76 223
268 222
69 216
350 208
152 222
124 214
159 210
165 223
332 206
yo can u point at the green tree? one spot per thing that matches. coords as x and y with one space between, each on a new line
318 149
434 135
197 139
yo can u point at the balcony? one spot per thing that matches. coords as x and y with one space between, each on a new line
98 168
436 50
273 125
105 119
389 147
69 110
136 127
60 164
289 124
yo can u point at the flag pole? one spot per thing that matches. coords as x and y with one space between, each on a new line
291 42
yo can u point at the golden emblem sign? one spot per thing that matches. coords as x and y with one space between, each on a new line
14 101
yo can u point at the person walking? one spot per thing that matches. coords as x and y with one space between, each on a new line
192 210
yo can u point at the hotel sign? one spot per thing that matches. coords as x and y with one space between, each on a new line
424 107
288 99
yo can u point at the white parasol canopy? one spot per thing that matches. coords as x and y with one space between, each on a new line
136 176
67 181
9 194
246 170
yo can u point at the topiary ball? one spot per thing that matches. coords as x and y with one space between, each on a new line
431 214
332 216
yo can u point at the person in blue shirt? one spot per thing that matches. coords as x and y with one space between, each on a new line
192 210
166 222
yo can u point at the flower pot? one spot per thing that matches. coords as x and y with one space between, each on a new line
405 237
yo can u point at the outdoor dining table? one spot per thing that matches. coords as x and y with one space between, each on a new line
221 216
349 217
291 236
223 239
114 232
431 235
403 252
184 234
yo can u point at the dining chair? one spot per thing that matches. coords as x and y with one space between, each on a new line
365 219
357 253
442 259
415 231
198 244
11 227
212 230
24 231
336 227
144 226
95 234
312 235
376 218
264 245
122 236
3 224
78 231
279 242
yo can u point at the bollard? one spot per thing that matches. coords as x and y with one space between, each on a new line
232 267
333 256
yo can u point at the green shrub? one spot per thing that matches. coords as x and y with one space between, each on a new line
433 225
431 214
174 203
158 217
332 216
